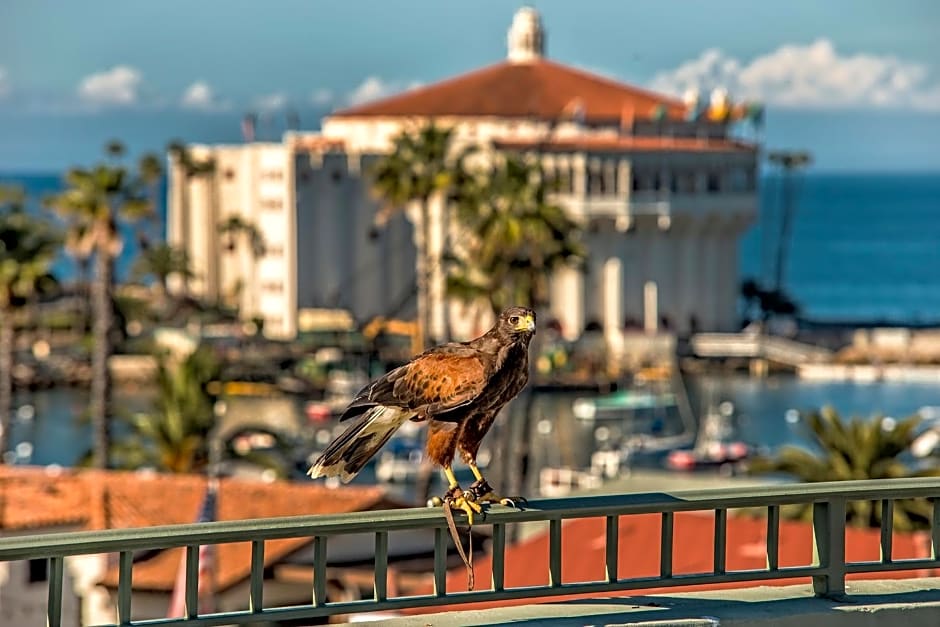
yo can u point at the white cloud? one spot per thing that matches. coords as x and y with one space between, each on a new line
374 88
4 83
322 97
813 75
271 102
118 86
200 96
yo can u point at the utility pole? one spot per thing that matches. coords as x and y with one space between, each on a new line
790 163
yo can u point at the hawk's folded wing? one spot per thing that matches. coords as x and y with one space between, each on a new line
431 385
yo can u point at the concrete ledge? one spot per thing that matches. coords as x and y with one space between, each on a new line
908 602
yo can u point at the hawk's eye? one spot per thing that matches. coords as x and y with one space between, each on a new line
514 320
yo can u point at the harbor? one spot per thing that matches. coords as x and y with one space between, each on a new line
47 428
507 304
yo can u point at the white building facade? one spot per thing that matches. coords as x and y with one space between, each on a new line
663 197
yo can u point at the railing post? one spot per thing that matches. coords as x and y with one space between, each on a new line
829 547
54 602
935 529
319 571
256 581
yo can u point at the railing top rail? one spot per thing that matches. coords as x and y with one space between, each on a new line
115 540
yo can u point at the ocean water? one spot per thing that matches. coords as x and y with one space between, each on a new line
864 247
40 186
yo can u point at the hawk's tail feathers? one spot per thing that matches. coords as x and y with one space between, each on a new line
347 454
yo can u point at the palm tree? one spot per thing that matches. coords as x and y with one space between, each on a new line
95 203
27 249
77 246
176 435
162 260
235 227
843 450
173 437
518 237
235 230
151 173
190 168
422 166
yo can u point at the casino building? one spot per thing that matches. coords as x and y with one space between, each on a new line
663 190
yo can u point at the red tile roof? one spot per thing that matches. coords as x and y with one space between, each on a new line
584 550
629 144
33 499
539 89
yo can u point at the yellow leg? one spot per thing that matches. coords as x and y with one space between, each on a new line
451 479
458 499
482 490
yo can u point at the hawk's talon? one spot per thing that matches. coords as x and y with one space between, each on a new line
483 492
457 499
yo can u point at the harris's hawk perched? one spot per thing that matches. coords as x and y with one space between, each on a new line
458 388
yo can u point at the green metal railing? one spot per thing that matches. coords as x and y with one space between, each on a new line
828 570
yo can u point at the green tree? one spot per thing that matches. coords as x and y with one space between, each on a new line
190 168
27 248
235 231
517 238
422 166
843 450
161 261
95 203
177 433
173 436
235 228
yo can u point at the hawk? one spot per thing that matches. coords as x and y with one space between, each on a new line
457 388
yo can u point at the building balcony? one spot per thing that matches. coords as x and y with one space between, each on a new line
625 210
826 599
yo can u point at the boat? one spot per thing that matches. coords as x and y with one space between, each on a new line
341 387
555 482
399 461
653 416
716 446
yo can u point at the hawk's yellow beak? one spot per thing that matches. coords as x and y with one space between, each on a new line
526 323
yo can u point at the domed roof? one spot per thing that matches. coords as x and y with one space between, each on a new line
526 85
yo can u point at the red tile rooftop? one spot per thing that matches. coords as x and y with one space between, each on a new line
539 89
35 500
584 553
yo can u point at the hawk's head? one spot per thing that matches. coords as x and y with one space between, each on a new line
516 323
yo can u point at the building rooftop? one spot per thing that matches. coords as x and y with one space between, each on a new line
34 499
540 89
583 549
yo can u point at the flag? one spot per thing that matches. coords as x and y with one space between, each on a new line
205 584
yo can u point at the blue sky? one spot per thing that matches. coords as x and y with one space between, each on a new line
856 82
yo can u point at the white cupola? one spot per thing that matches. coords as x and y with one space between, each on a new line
526 36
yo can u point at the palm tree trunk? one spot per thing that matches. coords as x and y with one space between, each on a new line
82 292
6 378
100 376
184 241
